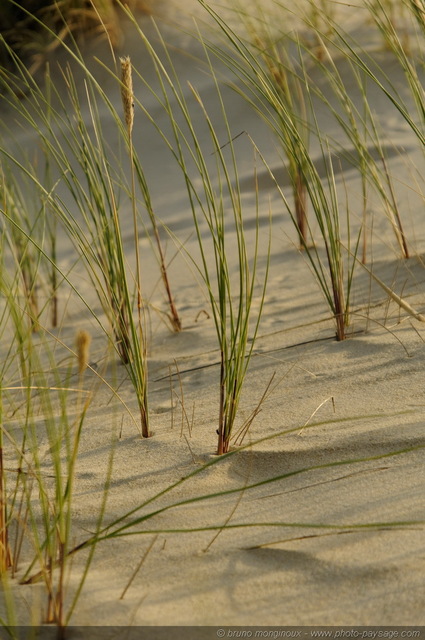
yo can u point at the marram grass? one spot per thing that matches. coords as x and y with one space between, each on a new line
41 427
128 98
258 86
211 192
213 188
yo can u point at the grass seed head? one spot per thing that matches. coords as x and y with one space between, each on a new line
127 92
83 347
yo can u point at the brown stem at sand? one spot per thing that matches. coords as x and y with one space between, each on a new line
144 421
340 327
221 440
228 419
340 317
340 313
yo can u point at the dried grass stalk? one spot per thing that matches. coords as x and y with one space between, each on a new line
83 341
127 92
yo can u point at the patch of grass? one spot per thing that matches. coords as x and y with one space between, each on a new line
41 426
231 297
280 68
81 160
82 189
282 115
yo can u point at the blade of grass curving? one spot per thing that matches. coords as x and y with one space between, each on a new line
220 460
122 531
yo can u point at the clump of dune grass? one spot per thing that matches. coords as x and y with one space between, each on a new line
101 202
218 195
361 129
93 177
273 47
334 271
136 166
85 168
364 69
41 426
280 67
231 305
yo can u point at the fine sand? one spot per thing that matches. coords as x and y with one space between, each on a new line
355 402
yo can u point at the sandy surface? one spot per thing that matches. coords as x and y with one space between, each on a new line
282 570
